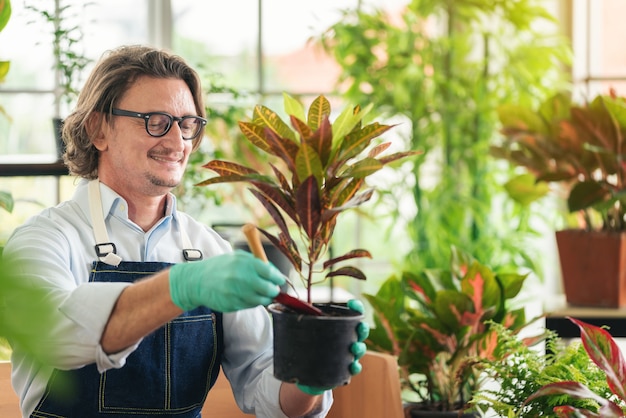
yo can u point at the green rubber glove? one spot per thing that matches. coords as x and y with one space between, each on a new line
225 283
358 349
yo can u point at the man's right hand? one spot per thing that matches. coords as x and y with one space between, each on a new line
225 283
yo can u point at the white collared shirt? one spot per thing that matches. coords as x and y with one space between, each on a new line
57 246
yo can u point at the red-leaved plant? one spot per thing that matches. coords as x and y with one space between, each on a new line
604 352
317 172
437 323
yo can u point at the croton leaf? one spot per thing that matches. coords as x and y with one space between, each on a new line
347 256
256 135
269 119
352 203
356 142
225 168
398 156
271 210
321 141
308 163
274 194
301 127
285 149
286 246
318 111
308 206
364 168
293 107
339 193
347 271
378 149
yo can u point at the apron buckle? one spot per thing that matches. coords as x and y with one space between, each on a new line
102 250
191 254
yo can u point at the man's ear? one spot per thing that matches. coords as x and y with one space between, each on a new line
96 128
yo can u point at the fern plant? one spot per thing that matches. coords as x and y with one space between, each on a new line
525 370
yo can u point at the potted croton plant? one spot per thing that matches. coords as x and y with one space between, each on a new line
436 322
579 149
318 171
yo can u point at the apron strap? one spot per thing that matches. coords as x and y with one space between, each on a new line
105 249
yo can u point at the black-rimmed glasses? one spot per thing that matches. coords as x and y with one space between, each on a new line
159 124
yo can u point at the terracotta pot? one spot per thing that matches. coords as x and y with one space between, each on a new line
314 350
593 267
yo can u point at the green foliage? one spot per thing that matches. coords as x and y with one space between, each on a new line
66 39
317 171
439 322
5 14
445 67
578 146
525 369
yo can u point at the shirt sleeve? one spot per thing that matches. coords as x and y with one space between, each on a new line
65 318
248 365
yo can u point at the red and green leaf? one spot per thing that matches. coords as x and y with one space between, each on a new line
269 119
359 253
605 353
308 206
348 271
318 111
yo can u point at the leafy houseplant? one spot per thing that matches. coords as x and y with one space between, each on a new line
69 58
443 67
581 379
437 324
320 171
579 147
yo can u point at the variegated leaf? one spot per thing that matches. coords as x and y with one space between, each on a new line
398 156
319 109
355 142
225 168
308 206
287 247
348 271
374 152
345 122
285 149
363 168
269 119
293 107
301 127
359 253
275 195
308 163
321 141
271 210
256 135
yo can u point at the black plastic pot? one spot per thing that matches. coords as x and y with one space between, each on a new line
314 350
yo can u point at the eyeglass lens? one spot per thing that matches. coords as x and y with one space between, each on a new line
159 124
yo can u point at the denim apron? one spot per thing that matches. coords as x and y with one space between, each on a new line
169 374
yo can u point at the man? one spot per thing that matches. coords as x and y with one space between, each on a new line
142 303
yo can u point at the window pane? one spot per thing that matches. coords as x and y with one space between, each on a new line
218 37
